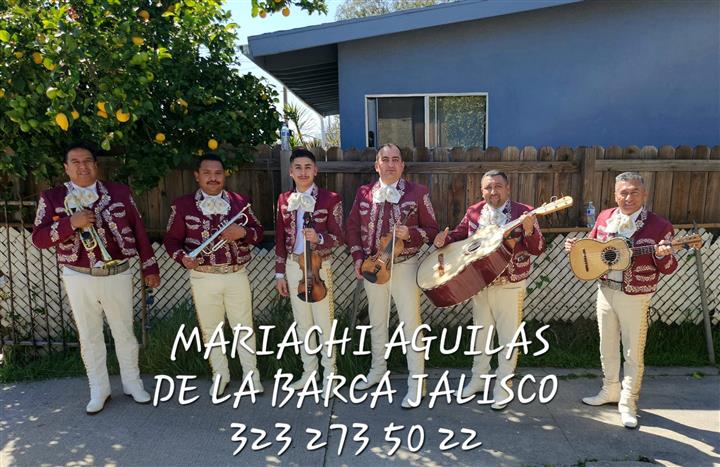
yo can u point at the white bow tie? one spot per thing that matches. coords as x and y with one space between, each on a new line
214 205
387 193
621 224
492 216
81 197
302 201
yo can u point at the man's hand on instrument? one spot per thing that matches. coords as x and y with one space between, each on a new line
311 236
439 241
569 244
152 280
402 232
82 219
190 263
233 232
663 248
281 286
358 272
528 223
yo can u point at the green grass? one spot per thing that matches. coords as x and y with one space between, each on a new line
572 345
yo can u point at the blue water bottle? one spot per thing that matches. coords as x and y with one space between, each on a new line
590 215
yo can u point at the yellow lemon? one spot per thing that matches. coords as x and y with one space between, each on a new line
138 40
102 113
37 58
286 11
182 102
62 121
2 93
160 137
122 116
101 106
75 114
212 144
263 13
19 54
144 15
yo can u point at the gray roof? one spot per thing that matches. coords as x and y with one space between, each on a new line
305 59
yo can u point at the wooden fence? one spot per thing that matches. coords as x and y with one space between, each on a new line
683 182
36 311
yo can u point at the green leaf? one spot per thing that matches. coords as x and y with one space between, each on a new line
4 36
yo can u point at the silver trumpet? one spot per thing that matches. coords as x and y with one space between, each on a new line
91 239
208 246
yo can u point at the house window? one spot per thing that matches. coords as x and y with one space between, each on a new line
430 120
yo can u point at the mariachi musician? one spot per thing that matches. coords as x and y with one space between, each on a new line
500 304
96 227
623 297
378 209
210 233
308 215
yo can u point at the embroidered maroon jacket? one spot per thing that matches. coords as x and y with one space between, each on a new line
188 227
644 272
117 221
327 221
520 265
369 221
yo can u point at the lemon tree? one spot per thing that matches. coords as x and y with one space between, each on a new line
153 83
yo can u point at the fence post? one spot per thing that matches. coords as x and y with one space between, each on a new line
706 311
144 312
285 184
587 174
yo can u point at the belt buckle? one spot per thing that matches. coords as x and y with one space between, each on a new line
611 284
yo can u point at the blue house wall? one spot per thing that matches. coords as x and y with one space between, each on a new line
596 72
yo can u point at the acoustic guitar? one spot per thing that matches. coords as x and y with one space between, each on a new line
590 258
456 272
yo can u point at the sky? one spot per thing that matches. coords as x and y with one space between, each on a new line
250 26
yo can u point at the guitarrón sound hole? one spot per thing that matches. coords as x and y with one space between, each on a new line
610 256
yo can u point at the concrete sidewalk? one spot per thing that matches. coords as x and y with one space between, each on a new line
44 423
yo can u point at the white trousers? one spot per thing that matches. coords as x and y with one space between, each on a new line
406 295
500 306
308 315
623 317
89 296
217 296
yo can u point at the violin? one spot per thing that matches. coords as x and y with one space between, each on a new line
376 268
311 288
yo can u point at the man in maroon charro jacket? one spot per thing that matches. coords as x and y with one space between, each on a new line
324 234
500 304
377 208
218 279
624 296
95 271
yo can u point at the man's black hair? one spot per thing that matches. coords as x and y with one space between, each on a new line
211 156
496 173
301 152
89 147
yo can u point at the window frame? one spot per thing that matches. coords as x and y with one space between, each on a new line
426 104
